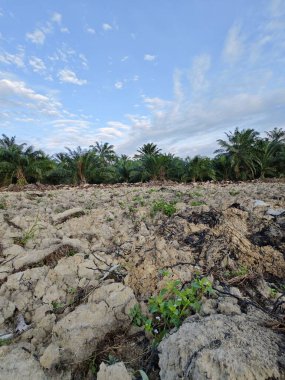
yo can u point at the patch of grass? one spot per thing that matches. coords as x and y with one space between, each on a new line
273 293
29 234
3 204
57 306
241 271
167 208
171 306
234 192
195 194
197 203
5 342
138 200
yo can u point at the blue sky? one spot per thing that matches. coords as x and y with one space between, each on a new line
177 73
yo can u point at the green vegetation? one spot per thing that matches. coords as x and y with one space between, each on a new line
241 271
29 234
3 204
166 208
234 192
197 203
243 155
171 306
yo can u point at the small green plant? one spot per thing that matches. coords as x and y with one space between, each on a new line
171 306
166 208
138 200
71 290
71 252
195 194
3 204
5 342
273 293
109 219
234 192
29 234
197 203
241 271
57 306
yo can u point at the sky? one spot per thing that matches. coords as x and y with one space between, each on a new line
178 73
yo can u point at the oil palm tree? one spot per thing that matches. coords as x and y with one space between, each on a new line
241 151
104 151
148 149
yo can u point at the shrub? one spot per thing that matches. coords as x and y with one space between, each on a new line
166 208
171 306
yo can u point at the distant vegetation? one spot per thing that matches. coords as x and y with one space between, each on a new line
243 155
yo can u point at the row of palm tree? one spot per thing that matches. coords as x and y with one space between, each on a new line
243 155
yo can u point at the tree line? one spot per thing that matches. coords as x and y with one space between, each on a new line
243 155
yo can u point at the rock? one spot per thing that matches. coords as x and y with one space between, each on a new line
115 371
50 357
68 214
229 307
7 309
259 203
19 364
78 333
276 212
222 347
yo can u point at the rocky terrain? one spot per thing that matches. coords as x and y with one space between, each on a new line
75 261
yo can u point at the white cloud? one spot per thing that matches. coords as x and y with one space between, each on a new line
24 99
37 37
149 57
197 75
118 85
234 44
136 78
69 76
83 60
125 58
37 64
106 27
13 59
56 17
64 30
91 30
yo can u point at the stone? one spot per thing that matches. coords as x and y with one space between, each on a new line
68 214
78 333
222 347
19 364
7 309
115 371
50 357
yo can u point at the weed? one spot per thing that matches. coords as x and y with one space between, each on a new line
5 342
171 306
71 252
234 192
138 200
273 293
109 219
241 271
57 306
3 204
71 290
162 206
195 194
197 203
29 234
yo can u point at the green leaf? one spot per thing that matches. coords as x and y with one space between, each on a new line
143 375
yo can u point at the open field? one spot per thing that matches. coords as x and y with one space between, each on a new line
75 261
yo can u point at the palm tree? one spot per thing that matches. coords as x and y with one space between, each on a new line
77 163
241 151
199 169
277 134
104 151
148 149
20 161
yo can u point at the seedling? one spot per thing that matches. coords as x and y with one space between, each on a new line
166 208
171 306
197 203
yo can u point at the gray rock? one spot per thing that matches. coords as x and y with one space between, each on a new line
276 212
116 371
18 364
68 214
221 347
78 334
7 309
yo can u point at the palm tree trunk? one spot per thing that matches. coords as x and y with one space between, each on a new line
21 179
